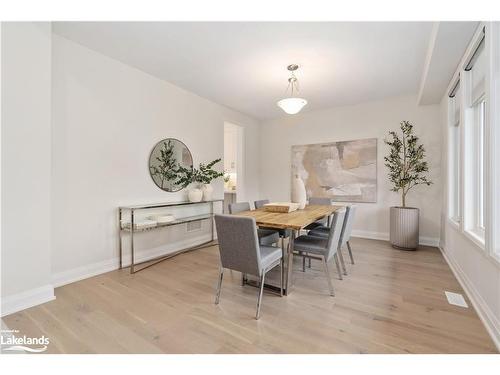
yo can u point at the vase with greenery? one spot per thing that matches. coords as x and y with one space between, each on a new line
201 177
407 169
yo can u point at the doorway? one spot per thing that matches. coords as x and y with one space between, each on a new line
233 164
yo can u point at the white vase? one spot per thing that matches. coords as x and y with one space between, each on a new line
195 195
299 192
207 192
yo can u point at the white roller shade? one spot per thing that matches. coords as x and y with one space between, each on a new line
456 106
478 75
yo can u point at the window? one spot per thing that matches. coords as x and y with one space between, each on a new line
474 142
474 147
479 124
454 157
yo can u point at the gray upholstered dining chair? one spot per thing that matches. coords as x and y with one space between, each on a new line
345 236
261 203
240 251
318 223
320 201
283 233
323 248
266 236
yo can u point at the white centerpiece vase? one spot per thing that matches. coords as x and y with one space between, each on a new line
195 194
299 192
207 192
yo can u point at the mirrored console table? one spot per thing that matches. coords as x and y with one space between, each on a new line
132 227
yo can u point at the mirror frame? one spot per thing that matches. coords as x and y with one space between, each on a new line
151 154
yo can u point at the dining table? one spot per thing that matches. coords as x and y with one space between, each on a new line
293 222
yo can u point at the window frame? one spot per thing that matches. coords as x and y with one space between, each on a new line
489 245
454 163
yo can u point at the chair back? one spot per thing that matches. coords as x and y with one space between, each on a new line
334 235
318 200
238 243
347 227
238 207
261 203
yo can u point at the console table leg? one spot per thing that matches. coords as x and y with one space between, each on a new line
120 236
132 264
212 222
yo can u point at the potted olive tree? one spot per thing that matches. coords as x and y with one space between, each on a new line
407 169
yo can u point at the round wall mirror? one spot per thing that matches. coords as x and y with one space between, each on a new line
165 158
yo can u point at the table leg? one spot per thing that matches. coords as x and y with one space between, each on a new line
132 264
120 236
212 222
289 268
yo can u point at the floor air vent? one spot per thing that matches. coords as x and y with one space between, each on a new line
456 299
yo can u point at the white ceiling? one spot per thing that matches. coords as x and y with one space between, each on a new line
448 42
242 65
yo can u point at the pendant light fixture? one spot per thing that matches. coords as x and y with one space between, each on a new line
292 104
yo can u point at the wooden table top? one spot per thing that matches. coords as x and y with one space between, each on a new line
292 220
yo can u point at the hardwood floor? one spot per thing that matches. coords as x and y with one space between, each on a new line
392 302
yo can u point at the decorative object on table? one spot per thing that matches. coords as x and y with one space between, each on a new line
195 194
407 169
299 192
140 224
292 104
162 219
343 171
282 207
208 191
164 161
201 177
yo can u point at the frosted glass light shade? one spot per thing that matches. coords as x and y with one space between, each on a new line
292 105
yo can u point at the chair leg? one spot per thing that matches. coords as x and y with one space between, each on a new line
327 274
338 266
350 252
309 262
303 262
281 277
219 285
259 300
243 279
342 263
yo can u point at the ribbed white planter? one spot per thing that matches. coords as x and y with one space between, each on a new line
404 227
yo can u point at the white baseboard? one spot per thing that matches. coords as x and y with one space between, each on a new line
426 241
94 269
27 299
489 320
84 272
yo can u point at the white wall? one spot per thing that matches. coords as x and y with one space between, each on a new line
26 142
368 120
107 116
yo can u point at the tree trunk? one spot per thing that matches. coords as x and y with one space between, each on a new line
403 199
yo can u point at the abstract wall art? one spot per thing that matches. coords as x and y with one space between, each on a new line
344 171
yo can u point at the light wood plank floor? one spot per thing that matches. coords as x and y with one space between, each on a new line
392 302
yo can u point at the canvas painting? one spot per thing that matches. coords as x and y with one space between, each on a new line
344 171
